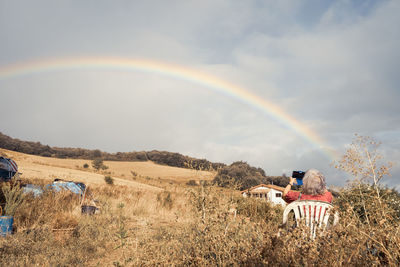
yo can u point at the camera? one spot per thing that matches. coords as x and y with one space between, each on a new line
299 177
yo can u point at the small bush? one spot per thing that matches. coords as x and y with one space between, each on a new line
85 165
109 180
191 183
259 210
99 165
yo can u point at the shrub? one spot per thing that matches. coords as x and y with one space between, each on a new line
259 210
98 164
85 165
192 183
109 180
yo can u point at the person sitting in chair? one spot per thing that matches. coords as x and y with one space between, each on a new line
314 188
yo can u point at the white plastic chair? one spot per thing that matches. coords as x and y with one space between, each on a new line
315 214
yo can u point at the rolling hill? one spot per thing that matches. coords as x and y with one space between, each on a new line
134 174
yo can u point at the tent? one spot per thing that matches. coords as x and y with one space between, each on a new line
59 185
8 168
36 190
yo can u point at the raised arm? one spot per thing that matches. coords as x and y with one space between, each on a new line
289 186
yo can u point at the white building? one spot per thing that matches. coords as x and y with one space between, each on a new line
268 192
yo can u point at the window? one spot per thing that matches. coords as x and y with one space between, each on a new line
278 194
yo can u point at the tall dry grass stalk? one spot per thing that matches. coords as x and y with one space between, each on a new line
13 197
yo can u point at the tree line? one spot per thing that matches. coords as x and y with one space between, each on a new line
160 157
241 175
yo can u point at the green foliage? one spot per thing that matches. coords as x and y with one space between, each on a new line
281 181
85 165
239 174
109 180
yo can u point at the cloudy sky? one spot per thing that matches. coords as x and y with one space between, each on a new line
332 65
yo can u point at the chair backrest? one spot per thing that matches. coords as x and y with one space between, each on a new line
315 214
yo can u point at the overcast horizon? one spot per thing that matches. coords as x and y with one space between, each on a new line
331 65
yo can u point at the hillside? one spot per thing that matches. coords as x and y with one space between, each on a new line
161 157
149 167
37 167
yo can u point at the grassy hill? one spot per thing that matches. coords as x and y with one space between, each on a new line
161 157
142 166
136 174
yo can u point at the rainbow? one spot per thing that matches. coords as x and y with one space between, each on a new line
171 70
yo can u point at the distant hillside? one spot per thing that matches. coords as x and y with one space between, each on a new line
160 157
238 174
137 174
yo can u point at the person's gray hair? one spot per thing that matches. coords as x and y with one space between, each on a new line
314 183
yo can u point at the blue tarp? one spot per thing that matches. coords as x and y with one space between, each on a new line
57 186
31 188
70 186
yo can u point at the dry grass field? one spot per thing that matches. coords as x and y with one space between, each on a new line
37 167
173 224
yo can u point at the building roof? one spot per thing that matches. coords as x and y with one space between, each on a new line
255 191
278 188
271 186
